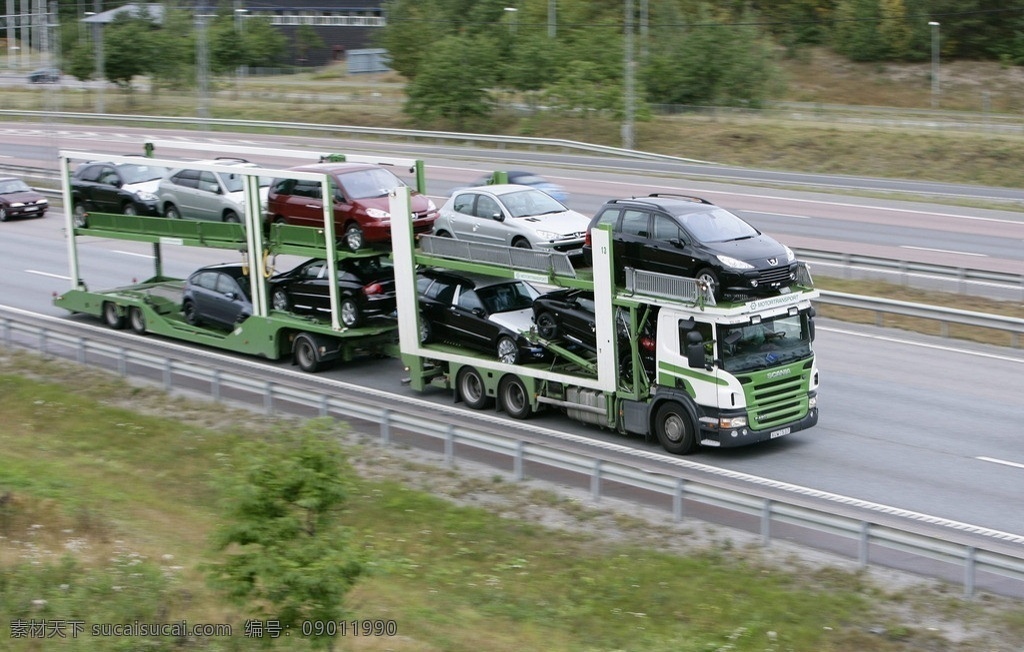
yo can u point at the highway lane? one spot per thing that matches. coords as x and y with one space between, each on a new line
916 422
913 231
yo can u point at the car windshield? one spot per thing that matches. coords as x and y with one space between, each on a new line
362 184
134 173
10 186
747 347
527 203
507 297
234 182
716 225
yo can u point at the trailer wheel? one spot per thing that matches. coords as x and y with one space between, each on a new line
112 316
137 320
304 352
515 400
675 428
191 313
547 327
508 350
471 388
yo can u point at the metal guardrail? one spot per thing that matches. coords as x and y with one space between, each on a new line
983 556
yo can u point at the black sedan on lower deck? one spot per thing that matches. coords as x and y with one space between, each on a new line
484 313
566 315
366 289
217 295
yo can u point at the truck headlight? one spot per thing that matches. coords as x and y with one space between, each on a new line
726 423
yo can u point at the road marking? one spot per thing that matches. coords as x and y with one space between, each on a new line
998 461
132 253
799 217
944 251
936 347
33 271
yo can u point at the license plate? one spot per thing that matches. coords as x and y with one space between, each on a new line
31 208
780 433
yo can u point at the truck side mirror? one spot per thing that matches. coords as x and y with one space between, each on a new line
696 358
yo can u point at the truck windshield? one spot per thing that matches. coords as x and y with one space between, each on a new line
773 342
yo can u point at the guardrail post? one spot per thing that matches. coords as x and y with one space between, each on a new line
122 363
677 500
8 338
80 351
766 522
969 571
517 461
268 398
595 481
42 341
168 378
863 543
325 405
449 445
215 385
385 427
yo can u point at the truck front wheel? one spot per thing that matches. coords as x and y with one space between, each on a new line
471 389
676 430
515 400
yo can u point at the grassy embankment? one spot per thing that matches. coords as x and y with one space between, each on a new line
109 500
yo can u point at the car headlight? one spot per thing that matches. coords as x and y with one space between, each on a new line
145 196
790 256
17 204
548 235
734 263
431 206
378 214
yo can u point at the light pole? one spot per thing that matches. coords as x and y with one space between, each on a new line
935 64
512 20
97 43
240 27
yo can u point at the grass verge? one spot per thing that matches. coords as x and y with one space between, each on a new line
108 499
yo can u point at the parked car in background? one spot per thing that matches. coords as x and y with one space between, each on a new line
18 199
128 188
217 295
691 237
361 204
366 289
484 313
200 195
513 216
524 178
44 76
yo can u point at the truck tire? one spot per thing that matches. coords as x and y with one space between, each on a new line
676 430
137 320
515 400
508 350
305 354
112 316
471 388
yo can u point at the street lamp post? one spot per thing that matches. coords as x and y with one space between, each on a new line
935 64
240 26
512 20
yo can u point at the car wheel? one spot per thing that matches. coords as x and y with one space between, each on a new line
515 400
349 312
471 388
112 315
521 243
231 216
191 313
80 218
675 428
508 350
426 332
443 234
354 237
279 299
3 214
708 276
547 327
137 320
172 212
129 209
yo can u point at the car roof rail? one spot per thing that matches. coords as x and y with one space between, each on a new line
671 195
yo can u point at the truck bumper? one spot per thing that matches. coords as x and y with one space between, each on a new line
743 436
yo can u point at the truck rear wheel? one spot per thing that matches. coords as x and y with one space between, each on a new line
304 352
137 320
471 388
676 430
515 400
112 316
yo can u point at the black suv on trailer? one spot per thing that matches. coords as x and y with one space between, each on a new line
691 237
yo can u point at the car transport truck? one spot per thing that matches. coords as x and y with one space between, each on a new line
669 361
